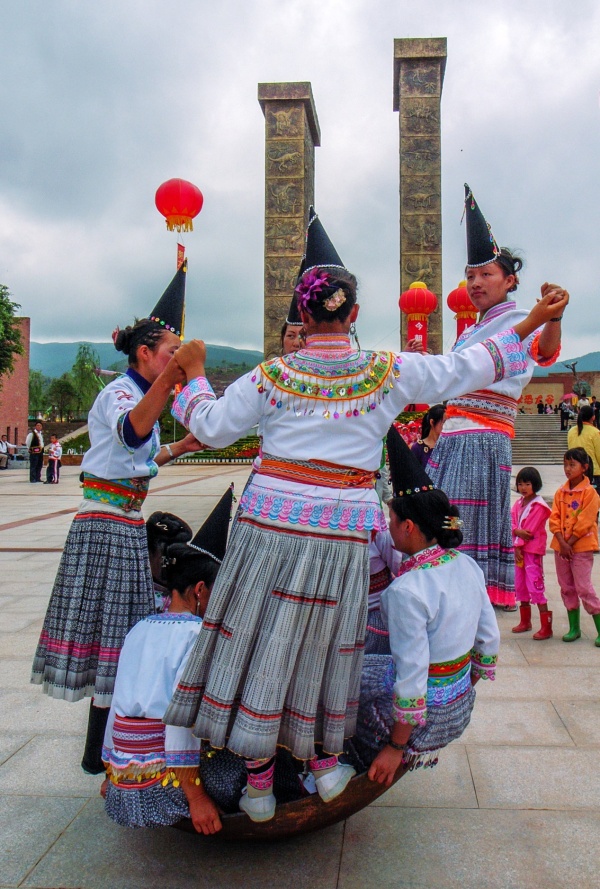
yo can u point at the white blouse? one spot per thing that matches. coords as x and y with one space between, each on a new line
151 662
110 456
442 627
329 402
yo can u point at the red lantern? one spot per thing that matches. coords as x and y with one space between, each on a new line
417 303
460 303
179 202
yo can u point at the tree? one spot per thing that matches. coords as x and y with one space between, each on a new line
11 343
38 392
62 394
83 377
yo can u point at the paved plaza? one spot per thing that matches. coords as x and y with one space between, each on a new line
513 804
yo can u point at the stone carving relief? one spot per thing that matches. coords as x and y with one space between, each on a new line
284 236
284 158
421 268
280 274
283 198
420 195
420 78
420 233
284 121
419 115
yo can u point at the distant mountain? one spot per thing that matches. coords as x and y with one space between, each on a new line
55 359
589 363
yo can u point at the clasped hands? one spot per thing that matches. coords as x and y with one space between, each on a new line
187 362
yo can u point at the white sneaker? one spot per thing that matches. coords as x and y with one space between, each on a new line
257 808
335 782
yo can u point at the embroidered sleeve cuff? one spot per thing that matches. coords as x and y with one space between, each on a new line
484 665
410 711
197 390
507 354
129 437
541 359
121 434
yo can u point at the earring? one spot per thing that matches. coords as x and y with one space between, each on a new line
353 334
197 607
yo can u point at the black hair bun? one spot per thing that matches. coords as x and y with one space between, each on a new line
166 528
123 340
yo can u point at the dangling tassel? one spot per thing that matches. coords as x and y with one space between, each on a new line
354 335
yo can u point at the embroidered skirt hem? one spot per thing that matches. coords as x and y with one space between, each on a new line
279 656
375 721
155 806
473 468
102 589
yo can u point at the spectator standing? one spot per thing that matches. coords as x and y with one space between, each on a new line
585 435
35 445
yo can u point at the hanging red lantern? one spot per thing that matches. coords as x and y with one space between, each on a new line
460 303
179 202
418 303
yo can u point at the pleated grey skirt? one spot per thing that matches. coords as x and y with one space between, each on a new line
279 657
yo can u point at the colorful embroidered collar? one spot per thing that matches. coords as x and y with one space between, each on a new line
492 313
431 557
329 376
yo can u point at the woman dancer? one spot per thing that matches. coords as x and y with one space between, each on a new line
443 632
473 457
279 657
104 584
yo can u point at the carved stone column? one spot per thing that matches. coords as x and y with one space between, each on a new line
291 134
419 66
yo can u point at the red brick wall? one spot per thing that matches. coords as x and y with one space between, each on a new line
14 393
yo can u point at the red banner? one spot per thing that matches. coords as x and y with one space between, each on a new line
180 255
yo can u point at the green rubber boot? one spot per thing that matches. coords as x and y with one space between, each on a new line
597 622
574 627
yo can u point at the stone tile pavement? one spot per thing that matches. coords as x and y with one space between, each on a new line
513 805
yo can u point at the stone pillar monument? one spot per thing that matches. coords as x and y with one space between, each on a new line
291 134
419 66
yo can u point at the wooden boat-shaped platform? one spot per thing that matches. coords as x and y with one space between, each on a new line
302 815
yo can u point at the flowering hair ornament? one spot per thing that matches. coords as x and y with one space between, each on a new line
311 285
115 334
335 301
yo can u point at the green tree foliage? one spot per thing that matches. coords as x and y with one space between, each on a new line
63 396
83 377
39 400
10 335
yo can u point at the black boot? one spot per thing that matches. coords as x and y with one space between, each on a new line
92 755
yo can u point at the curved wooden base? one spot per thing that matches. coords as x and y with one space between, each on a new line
301 816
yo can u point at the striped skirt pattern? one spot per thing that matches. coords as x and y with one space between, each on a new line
103 587
445 722
473 468
279 656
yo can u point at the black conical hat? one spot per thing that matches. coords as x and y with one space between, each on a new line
320 252
481 244
293 316
169 311
211 539
408 476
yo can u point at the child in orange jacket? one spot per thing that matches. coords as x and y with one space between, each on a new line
573 522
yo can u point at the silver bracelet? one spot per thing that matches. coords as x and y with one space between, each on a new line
169 451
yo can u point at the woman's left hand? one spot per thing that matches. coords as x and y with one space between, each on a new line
173 374
190 444
385 765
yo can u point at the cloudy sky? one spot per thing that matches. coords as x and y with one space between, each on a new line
101 102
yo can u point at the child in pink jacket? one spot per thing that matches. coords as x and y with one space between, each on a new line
529 516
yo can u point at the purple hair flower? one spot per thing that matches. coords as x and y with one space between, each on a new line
310 286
